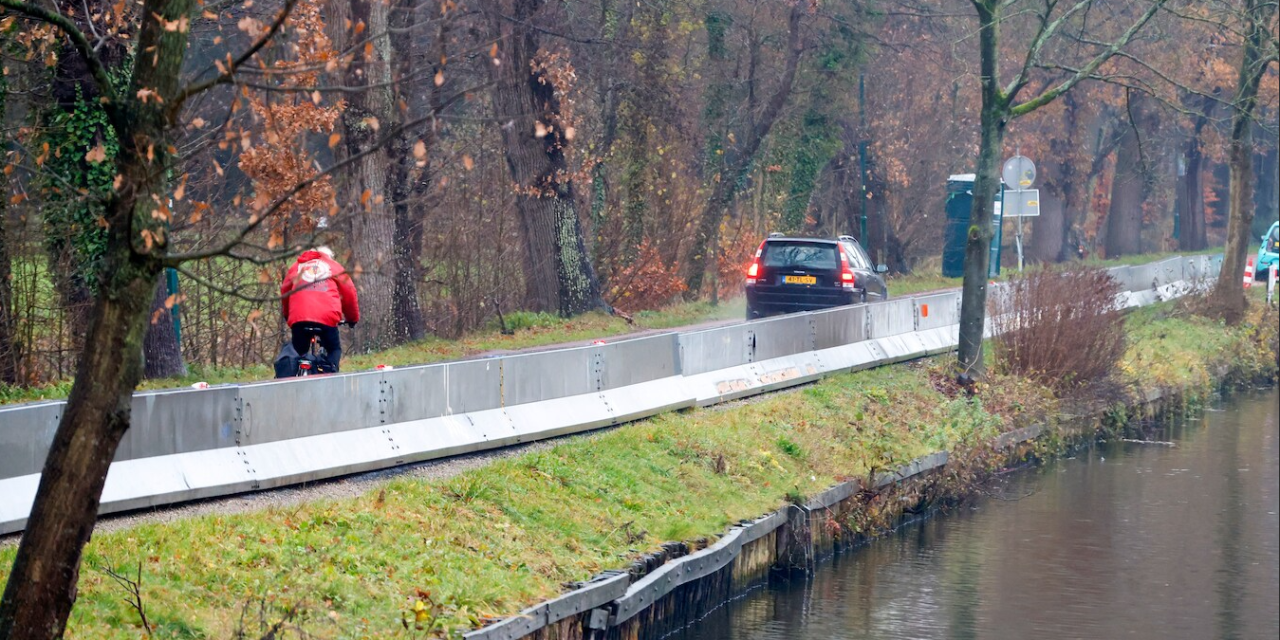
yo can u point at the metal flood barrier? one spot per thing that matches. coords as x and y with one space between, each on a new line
187 444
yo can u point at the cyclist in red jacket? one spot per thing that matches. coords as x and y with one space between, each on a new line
317 294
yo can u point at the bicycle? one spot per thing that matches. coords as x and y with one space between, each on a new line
316 360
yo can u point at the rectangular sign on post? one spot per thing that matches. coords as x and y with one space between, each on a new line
1022 204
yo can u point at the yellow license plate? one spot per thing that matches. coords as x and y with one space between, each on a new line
799 279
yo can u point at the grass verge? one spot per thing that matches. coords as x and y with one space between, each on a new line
492 540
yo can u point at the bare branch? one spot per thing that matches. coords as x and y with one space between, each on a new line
78 40
1088 69
230 72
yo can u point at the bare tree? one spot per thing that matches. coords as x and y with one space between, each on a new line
1001 103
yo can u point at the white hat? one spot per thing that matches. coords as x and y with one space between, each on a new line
325 250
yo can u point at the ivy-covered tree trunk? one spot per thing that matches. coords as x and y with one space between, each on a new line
559 275
41 587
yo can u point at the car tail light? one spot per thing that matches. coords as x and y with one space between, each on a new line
753 271
847 279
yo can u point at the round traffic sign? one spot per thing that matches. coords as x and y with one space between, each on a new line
1019 172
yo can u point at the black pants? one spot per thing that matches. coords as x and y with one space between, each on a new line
329 339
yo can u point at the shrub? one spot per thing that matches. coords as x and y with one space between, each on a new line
647 283
1061 327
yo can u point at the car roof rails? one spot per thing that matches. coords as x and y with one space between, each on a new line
777 234
847 237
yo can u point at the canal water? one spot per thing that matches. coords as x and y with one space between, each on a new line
1125 540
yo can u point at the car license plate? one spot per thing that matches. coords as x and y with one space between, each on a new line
800 280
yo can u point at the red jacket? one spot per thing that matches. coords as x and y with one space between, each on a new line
317 289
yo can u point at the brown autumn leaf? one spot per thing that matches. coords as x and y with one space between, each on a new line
420 150
364 198
539 130
96 155
467 162
198 122
181 191
439 77
334 139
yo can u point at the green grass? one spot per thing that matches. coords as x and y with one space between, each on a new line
531 330
495 539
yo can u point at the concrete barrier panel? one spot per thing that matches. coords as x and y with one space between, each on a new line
629 362
26 431
432 391
17 494
938 310
783 336
892 317
449 435
1124 277
312 406
714 349
548 375
165 423
416 393
838 327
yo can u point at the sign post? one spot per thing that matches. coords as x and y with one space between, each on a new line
1020 200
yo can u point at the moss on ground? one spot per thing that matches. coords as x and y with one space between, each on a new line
493 540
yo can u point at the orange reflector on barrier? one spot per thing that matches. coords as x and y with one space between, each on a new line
924 311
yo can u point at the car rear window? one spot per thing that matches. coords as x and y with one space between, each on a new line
800 255
1275 234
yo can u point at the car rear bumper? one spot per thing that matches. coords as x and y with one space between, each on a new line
780 300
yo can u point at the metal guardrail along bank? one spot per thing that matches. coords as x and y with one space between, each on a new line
192 444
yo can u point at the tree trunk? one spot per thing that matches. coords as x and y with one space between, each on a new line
558 274
1228 294
1124 217
409 212
369 200
1192 233
977 251
705 248
1058 214
1129 185
1049 232
8 350
41 587
162 353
